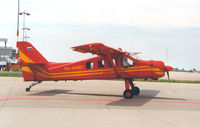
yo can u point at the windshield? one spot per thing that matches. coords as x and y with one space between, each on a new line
135 56
126 62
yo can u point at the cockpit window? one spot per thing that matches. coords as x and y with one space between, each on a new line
126 62
135 56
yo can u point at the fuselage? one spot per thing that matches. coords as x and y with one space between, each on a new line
97 68
109 64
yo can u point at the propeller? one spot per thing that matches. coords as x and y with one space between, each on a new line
167 69
167 74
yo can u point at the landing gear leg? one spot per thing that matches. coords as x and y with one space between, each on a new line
33 84
135 90
128 93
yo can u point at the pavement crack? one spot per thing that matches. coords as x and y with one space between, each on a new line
9 92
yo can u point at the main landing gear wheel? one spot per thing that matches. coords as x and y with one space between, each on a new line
128 94
136 91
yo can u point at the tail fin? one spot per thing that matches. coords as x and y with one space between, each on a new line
29 54
30 60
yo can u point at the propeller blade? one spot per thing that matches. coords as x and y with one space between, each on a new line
168 75
167 69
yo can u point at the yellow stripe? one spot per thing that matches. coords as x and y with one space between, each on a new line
25 58
27 69
75 72
41 69
84 74
160 73
69 75
103 70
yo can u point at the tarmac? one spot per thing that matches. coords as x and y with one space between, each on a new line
183 76
97 103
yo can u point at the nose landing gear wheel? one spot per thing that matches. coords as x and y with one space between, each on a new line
128 94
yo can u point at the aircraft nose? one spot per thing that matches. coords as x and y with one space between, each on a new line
169 68
161 64
158 64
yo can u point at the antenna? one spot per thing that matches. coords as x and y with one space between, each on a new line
166 55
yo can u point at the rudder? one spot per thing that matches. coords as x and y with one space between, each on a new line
29 54
29 58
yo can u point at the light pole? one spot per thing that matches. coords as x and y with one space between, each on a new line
24 13
25 33
18 10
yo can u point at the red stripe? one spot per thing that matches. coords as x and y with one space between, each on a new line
17 32
63 99
16 57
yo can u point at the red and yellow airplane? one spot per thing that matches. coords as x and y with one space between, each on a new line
109 63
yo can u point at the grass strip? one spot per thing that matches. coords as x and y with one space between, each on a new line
10 74
171 81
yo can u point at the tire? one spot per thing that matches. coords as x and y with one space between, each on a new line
128 94
27 89
136 91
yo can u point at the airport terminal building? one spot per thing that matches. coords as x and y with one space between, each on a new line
7 55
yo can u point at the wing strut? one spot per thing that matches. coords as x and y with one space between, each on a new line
114 66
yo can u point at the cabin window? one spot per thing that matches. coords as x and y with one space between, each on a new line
101 63
89 65
126 62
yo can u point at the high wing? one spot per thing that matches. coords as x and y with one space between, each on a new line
98 49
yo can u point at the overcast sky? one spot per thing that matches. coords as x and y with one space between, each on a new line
148 26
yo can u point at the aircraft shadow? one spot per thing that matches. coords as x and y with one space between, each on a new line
92 94
139 100
57 91
50 92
